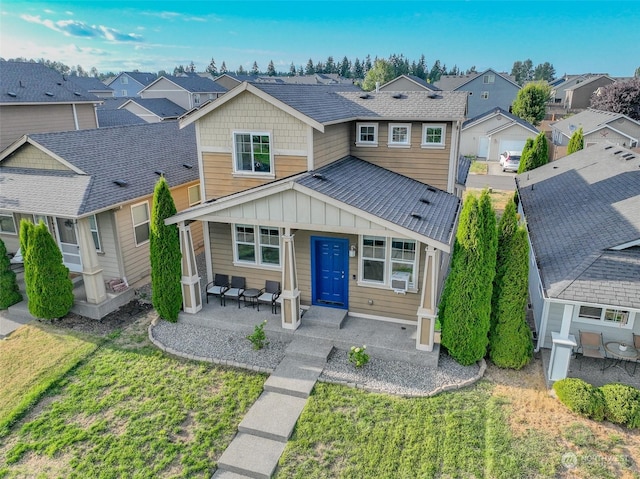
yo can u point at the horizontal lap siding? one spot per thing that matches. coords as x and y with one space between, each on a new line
331 145
181 199
137 266
86 117
18 120
109 256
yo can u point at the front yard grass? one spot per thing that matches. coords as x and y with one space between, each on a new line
479 167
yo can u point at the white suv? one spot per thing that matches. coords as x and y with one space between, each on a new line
510 160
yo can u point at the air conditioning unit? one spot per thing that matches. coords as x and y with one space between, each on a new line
400 282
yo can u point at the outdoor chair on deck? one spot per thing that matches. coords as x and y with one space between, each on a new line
592 346
235 291
218 286
270 294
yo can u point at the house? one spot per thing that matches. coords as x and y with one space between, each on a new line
581 213
94 189
231 80
408 83
129 84
349 199
108 117
560 85
489 134
188 91
35 98
93 85
487 90
153 110
598 127
578 97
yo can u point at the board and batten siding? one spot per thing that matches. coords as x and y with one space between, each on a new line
331 145
427 165
28 156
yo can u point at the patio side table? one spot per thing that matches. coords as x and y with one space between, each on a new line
251 295
626 355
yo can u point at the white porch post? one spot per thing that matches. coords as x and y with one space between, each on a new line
561 349
191 294
290 296
91 270
428 306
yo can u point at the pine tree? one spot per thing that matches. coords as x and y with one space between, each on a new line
49 288
166 290
211 68
526 163
271 69
292 70
254 69
9 291
576 143
310 69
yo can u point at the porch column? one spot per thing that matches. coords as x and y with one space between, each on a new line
562 347
428 300
290 296
191 294
91 270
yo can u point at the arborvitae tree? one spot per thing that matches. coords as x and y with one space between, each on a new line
510 344
26 230
9 291
531 102
576 143
166 273
49 288
540 151
489 246
526 163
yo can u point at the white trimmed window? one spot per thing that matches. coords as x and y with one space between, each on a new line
196 99
124 93
400 134
93 227
141 222
373 259
489 78
619 318
125 79
252 152
367 134
194 195
381 257
259 245
484 95
7 224
403 258
433 135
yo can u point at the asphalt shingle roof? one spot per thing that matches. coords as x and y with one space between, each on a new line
503 112
589 120
131 153
196 84
577 208
108 118
144 78
26 82
90 84
161 107
387 195
464 165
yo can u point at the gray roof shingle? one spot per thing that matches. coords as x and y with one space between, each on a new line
90 84
196 84
144 78
503 112
161 107
108 118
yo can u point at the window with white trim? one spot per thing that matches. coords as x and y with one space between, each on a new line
194 195
618 318
399 134
381 257
367 134
93 227
7 224
373 259
484 95
125 79
403 258
252 152
141 222
433 135
196 99
489 78
124 93
259 245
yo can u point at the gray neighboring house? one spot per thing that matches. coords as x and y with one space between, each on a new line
93 85
583 221
108 118
598 126
578 96
232 80
408 83
487 90
129 84
153 110
188 91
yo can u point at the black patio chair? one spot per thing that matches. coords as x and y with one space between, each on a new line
218 286
235 291
270 294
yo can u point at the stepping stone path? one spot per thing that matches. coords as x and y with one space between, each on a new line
264 431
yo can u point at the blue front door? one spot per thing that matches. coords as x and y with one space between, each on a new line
330 271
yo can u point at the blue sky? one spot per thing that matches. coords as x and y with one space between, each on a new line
575 36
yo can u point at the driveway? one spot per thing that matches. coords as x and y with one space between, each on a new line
496 179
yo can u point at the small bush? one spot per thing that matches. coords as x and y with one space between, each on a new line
580 397
621 404
358 356
258 337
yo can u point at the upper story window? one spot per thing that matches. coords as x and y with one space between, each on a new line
194 195
400 134
433 135
367 134
124 93
196 99
141 220
618 318
125 80
488 78
252 152
484 95
7 224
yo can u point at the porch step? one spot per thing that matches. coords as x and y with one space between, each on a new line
294 376
252 456
273 416
19 312
311 349
326 317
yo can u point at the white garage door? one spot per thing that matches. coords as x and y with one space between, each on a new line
513 145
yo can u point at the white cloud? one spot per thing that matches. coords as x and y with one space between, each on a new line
76 28
179 16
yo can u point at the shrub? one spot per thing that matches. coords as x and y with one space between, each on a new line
580 397
258 337
9 292
621 404
358 356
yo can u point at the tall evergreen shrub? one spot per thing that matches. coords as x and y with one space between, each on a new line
540 150
576 143
9 292
26 231
525 158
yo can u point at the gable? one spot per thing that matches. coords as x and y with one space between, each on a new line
162 84
403 84
28 156
606 133
627 126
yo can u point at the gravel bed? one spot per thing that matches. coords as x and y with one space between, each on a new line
218 345
398 377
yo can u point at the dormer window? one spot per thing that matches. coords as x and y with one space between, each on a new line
367 134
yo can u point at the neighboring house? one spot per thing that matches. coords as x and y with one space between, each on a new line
94 189
108 118
93 85
153 110
488 135
598 126
129 84
578 97
35 98
408 83
487 90
560 85
232 80
581 213
347 198
188 91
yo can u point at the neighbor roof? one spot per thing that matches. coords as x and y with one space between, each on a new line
192 83
144 78
108 118
457 82
499 111
577 209
417 80
590 120
589 80
131 153
27 82
90 84
161 107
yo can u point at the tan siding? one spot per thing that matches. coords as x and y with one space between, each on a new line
86 117
181 199
28 156
165 89
109 255
331 145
